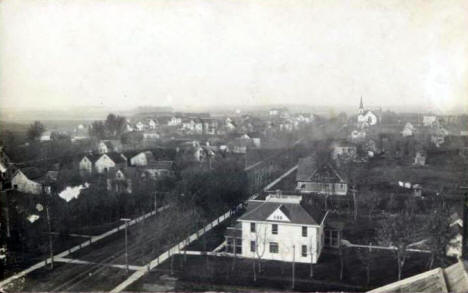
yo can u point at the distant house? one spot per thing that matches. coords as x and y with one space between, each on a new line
159 169
429 120
86 164
188 124
28 180
174 121
120 180
45 136
304 118
150 135
229 124
108 161
241 144
106 146
341 149
281 229
320 178
198 126
281 112
169 120
152 124
140 126
209 126
358 135
419 159
255 138
142 159
102 148
129 127
408 130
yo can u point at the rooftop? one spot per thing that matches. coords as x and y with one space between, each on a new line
296 213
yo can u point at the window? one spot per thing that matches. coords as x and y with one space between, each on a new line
274 229
252 246
304 231
304 250
274 247
252 227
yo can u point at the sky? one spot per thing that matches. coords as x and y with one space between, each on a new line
57 54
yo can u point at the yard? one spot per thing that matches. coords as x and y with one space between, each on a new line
208 273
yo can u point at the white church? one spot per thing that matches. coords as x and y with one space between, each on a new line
365 118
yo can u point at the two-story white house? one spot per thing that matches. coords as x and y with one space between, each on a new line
282 228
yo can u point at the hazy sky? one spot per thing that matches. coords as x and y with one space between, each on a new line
239 52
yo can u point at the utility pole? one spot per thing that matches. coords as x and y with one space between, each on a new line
293 265
126 220
46 201
353 190
51 249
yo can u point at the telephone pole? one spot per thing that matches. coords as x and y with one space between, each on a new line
51 249
353 190
126 220
293 265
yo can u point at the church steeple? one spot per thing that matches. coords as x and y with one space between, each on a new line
361 106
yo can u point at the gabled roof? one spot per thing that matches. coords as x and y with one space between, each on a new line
309 169
116 157
92 157
297 213
32 172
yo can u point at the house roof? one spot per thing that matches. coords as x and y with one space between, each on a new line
116 157
162 165
309 169
149 155
32 172
297 213
451 279
92 157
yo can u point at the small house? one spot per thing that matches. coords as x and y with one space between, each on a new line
142 159
28 180
108 161
319 177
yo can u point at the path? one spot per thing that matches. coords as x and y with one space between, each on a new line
67 252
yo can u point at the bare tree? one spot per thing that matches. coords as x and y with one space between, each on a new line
260 248
398 231
365 255
438 235
312 248
371 201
